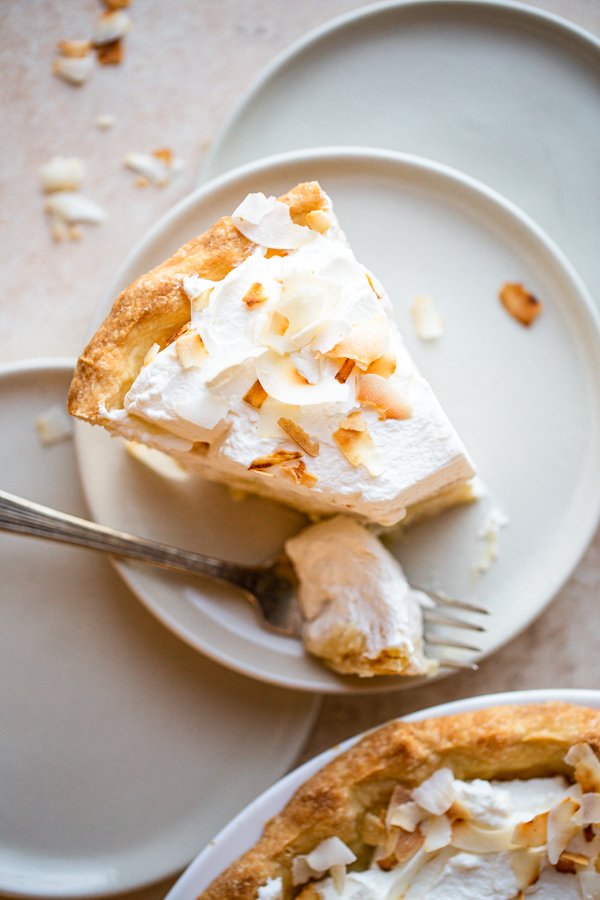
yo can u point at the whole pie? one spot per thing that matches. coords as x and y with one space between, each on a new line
501 803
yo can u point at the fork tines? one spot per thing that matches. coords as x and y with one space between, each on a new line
442 614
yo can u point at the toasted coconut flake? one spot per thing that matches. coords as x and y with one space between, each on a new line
299 435
385 366
62 173
58 229
372 830
318 220
357 445
375 285
152 166
299 474
561 827
274 228
568 862
329 853
384 395
105 121
74 49
255 295
407 845
54 426
436 794
526 866
345 371
110 54
521 305
110 26
282 381
74 69
73 207
533 833
589 811
406 815
279 323
274 459
256 395
191 350
116 4
472 839
427 322
437 831
365 343
272 252
587 767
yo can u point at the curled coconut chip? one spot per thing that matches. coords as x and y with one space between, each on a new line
54 426
157 167
472 839
384 395
533 833
561 827
62 173
526 866
274 459
268 223
254 296
191 350
406 846
110 54
74 69
72 207
385 366
282 381
427 322
365 343
299 436
357 445
587 767
345 371
436 794
519 303
256 395
299 474
437 831
319 220
110 26
329 854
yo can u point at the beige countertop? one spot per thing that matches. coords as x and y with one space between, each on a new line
186 64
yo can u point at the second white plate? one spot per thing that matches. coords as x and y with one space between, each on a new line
526 402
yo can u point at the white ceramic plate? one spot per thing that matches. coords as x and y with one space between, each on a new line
121 748
245 829
505 92
525 401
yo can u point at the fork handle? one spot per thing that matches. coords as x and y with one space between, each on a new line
25 517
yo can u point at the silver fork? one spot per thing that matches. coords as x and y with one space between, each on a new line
270 588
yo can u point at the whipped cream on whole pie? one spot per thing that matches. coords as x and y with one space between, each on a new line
450 839
360 614
291 380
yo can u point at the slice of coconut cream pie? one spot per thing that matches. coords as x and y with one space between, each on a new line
262 354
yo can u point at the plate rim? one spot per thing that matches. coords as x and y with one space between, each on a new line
208 169
63 366
331 683
188 883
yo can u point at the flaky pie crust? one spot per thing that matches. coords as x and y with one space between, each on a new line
154 307
500 742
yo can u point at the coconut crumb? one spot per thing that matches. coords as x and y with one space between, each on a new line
427 322
158 167
53 426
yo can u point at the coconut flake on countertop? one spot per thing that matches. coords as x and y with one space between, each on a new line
427 322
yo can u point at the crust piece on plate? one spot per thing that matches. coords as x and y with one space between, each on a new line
154 307
501 743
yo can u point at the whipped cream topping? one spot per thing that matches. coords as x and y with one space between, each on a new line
465 840
361 616
300 331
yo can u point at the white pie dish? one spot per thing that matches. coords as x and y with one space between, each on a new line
245 829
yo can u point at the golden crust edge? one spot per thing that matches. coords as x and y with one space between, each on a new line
154 307
498 742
